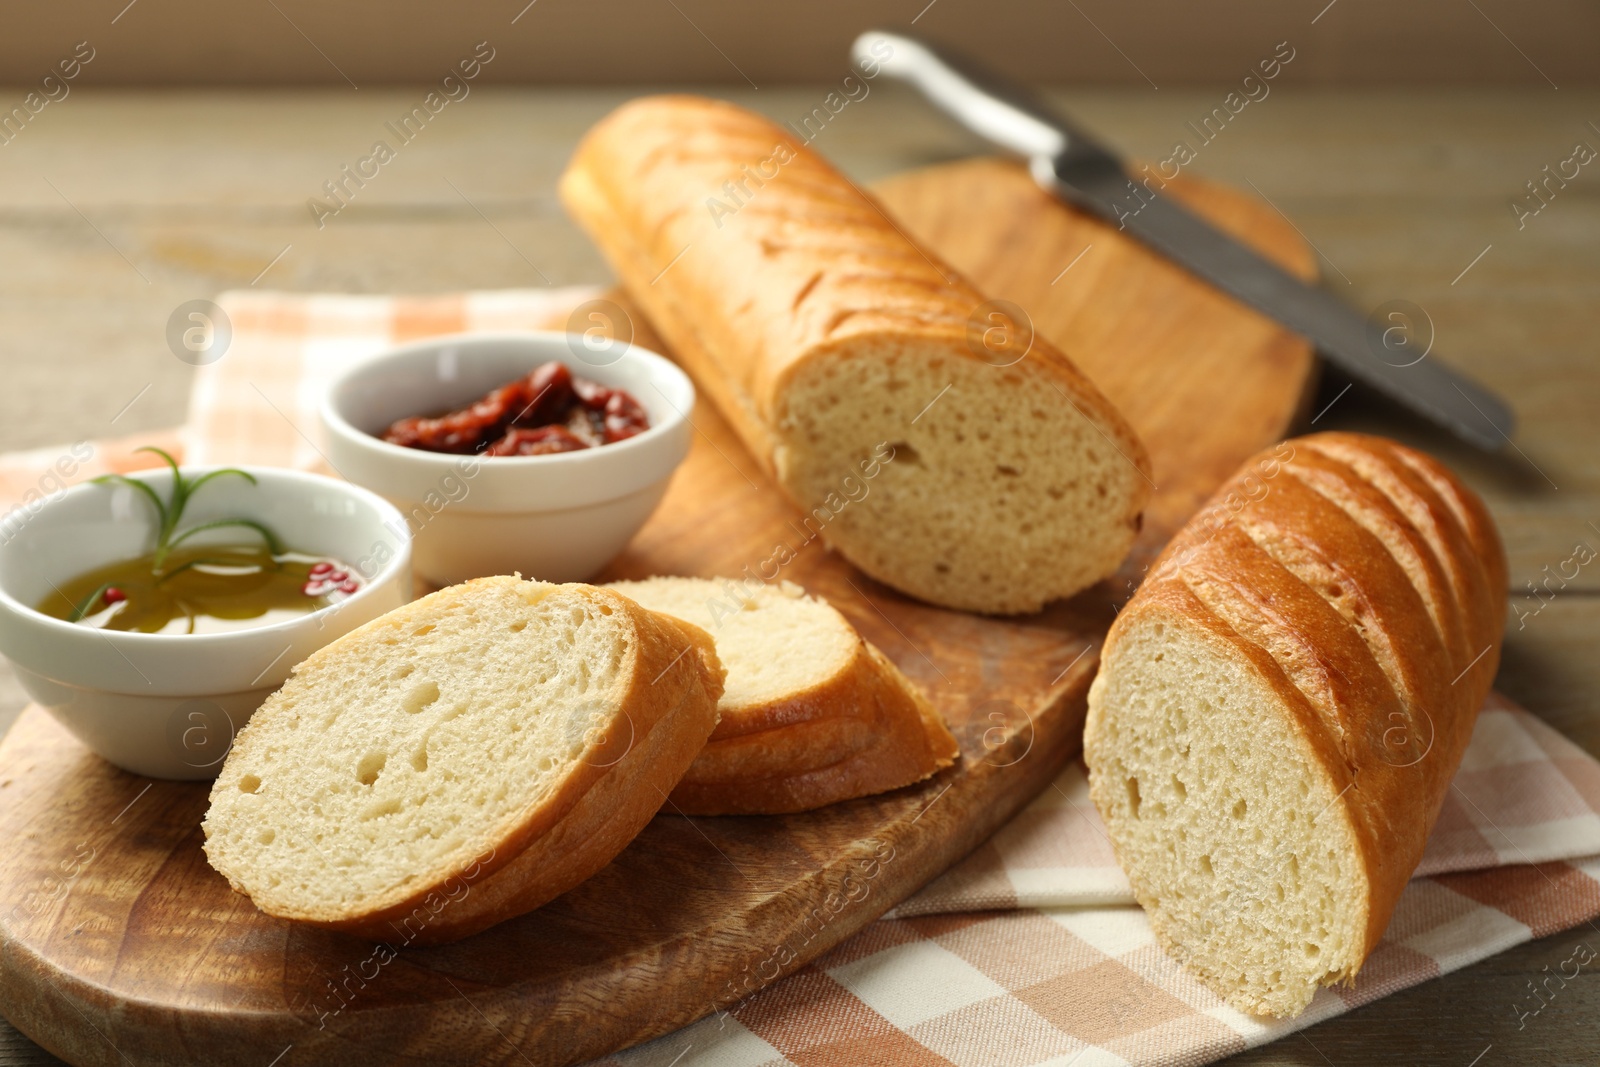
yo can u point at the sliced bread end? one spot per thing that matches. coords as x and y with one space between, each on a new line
1229 828
813 714
979 487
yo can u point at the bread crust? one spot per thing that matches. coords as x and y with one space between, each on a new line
865 730
664 718
815 272
1367 586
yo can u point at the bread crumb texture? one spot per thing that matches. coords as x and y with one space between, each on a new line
1220 816
1000 494
405 749
774 640
812 713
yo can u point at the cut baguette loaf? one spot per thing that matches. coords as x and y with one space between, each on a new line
811 713
462 759
822 333
1281 707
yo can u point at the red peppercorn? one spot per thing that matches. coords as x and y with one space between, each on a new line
312 588
113 595
349 586
337 577
321 568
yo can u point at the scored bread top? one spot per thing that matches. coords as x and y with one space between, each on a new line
1365 588
1389 578
441 740
967 465
832 263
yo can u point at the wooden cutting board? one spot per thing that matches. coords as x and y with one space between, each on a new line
119 945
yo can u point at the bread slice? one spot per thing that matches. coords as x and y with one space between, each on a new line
1281 707
811 714
462 759
924 433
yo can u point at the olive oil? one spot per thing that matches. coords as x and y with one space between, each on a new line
201 589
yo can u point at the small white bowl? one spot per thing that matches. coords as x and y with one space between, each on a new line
168 705
558 517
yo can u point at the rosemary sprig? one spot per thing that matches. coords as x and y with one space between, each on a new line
170 512
208 561
82 607
266 535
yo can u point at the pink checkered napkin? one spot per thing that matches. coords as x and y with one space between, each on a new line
258 403
1031 952
1524 794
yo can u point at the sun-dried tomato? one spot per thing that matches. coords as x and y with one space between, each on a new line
539 441
462 431
593 394
625 417
551 410
549 390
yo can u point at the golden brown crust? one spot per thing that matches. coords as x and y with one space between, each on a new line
663 721
813 268
1465 533
866 730
1367 586
639 183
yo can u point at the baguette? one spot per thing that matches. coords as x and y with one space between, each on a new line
461 760
964 463
1281 707
812 714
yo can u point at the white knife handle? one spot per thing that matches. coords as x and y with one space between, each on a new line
1005 116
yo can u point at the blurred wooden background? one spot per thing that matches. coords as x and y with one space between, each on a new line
1151 43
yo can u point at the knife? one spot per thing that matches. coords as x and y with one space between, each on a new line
1086 174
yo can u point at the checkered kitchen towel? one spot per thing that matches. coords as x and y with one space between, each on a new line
1031 951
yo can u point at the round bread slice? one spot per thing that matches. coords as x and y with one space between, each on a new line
812 713
462 759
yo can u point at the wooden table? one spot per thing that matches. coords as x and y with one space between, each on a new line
116 208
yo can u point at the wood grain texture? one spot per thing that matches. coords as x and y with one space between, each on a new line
121 945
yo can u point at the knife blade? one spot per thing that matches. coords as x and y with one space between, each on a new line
1086 174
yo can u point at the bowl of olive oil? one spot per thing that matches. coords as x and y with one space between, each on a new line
203 589
152 613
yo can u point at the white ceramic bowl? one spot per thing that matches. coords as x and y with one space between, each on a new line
168 705
558 517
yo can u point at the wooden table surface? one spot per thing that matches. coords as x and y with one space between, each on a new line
117 207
